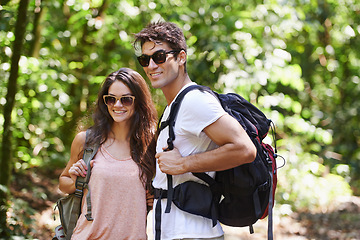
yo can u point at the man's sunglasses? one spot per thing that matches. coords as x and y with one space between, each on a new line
158 57
126 101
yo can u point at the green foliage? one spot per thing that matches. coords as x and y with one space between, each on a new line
21 219
306 184
297 60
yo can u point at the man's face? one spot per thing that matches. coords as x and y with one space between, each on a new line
161 74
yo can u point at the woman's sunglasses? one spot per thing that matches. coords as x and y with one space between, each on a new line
158 57
126 101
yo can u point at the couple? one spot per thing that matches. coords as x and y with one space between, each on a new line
126 165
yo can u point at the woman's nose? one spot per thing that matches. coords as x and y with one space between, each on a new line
118 103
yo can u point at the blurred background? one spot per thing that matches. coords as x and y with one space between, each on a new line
297 60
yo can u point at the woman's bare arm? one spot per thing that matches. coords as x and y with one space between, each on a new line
75 167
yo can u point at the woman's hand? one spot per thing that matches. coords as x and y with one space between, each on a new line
149 200
79 168
75 166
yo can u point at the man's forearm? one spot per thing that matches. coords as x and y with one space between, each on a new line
222 158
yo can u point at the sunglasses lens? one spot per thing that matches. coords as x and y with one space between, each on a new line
144 60
109 100
127 101
159 57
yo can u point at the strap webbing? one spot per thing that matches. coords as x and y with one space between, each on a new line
170 192
271 173
89 155
158 211
270 209
80 184
251 229
171 123
88 205
206 178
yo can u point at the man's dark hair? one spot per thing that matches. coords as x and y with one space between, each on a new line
162 31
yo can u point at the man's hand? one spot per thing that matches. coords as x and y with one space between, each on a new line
171 162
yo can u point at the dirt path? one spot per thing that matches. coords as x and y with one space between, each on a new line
341 222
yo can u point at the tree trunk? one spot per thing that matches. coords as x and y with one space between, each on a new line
6 149
35 43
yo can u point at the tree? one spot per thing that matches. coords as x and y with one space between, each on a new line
6 149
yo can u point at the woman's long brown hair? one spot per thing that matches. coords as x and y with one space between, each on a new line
143 128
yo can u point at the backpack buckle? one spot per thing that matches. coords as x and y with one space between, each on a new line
78 193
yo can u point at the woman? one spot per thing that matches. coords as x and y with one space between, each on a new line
124 125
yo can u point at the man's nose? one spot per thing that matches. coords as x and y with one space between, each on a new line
152 64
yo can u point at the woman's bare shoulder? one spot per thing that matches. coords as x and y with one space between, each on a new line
79 140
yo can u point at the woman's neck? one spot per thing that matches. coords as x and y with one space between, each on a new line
120 132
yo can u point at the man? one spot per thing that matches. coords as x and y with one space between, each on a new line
207 138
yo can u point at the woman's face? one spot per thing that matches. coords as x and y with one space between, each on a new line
120 112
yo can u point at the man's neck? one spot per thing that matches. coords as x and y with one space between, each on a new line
171 90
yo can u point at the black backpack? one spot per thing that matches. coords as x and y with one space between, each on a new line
239 196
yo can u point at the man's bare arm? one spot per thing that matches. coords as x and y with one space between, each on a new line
235 148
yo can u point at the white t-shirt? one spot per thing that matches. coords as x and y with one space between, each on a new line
197 111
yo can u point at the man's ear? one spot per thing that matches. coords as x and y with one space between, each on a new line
182 57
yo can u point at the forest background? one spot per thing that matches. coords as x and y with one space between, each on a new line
297 60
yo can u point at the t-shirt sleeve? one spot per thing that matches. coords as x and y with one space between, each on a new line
198 110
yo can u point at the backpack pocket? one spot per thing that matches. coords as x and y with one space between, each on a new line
195 198
66 205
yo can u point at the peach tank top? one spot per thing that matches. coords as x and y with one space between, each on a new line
118 201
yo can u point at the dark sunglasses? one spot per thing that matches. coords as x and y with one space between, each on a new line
126 101
158 57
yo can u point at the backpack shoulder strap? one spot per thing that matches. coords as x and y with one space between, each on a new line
89 153
80 184
171 123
